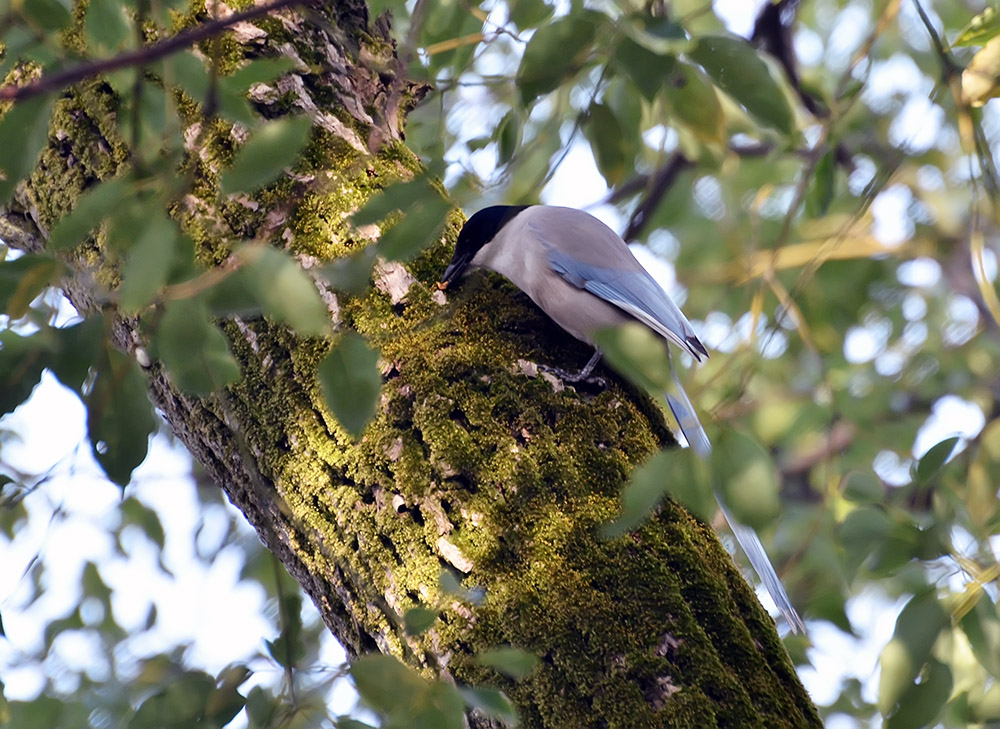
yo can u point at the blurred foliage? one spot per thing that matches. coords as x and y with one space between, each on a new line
827 192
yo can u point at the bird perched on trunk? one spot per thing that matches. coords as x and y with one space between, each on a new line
585 278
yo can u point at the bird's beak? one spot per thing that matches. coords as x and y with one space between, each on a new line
454 271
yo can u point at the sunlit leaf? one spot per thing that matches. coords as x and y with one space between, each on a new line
981 78
693 101
982 28
981 626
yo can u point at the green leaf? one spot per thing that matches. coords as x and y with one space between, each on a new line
647 69
189 72
136 513
419 620
449 584
106 26
735 66
555 52
347 722
748 477
862 534
261 70
22 360
396 198
193 349
421 226
352 274
666 472
261 708
864 487
285 292
288 649
609 142
508 136
351 382
934 459
692 100
49 15
917 629
981 626
92 208
529 13
232 90
148 262
119 416
183 703
981 28
25 129
404 698
23 279
821 186
922 702
509 661
637 353
270 149
491 702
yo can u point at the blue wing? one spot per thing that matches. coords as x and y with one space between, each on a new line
634 291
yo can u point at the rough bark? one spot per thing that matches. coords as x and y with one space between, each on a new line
475 463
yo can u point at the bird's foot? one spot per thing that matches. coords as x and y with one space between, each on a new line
584 375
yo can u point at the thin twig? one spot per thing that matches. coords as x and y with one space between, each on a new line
141 56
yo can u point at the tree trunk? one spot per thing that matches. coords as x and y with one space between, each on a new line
474 463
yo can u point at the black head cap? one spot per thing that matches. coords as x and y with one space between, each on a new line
478 230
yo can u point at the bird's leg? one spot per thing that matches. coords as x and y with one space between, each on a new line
582 375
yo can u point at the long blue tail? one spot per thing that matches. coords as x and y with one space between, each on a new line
683 410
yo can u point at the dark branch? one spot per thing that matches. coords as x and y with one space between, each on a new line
138 57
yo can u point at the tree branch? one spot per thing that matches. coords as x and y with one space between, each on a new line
140 56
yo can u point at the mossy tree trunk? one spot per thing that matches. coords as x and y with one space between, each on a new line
474 463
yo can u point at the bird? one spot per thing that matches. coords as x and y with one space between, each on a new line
584 277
